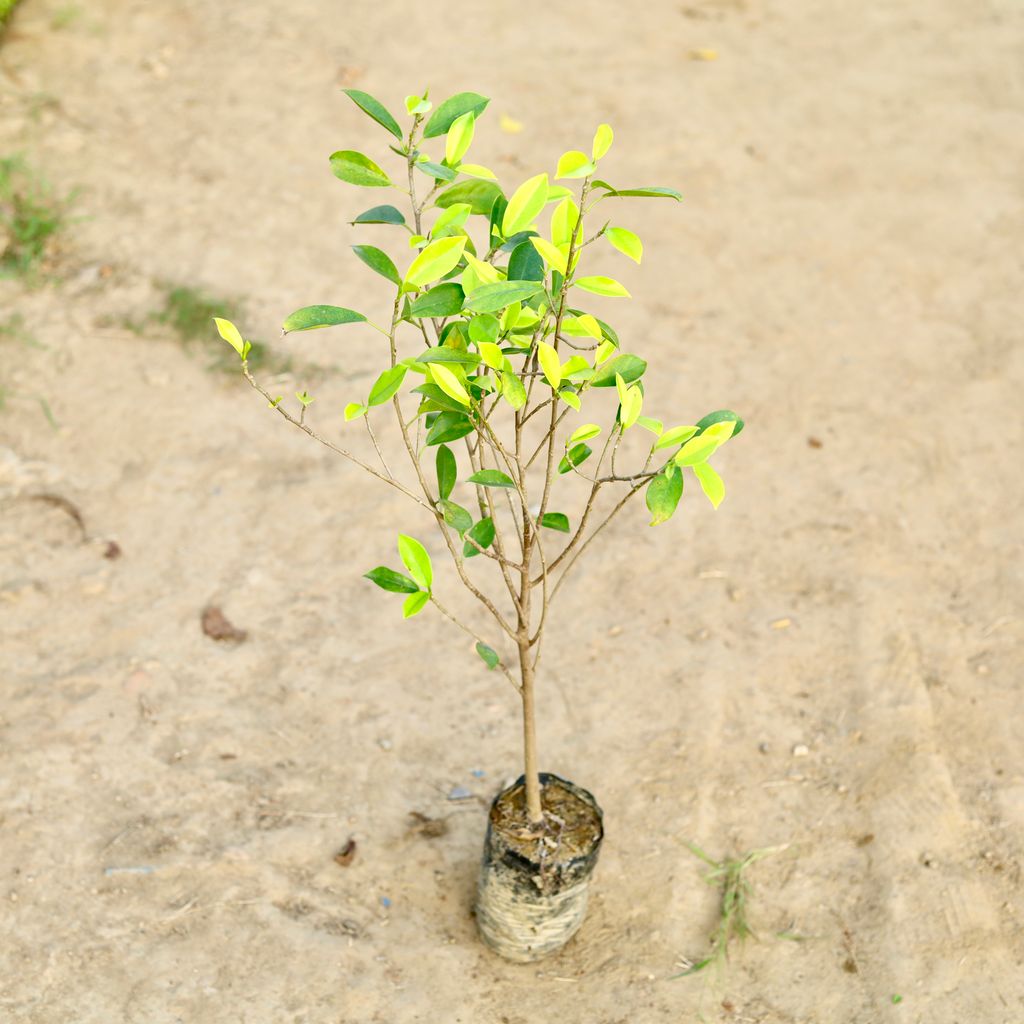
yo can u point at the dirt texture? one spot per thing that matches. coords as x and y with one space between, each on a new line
829 661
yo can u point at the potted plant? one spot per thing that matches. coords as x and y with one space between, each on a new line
489 337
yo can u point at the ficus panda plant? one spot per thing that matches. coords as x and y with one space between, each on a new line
501 382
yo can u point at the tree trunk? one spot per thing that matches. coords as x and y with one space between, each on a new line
531 768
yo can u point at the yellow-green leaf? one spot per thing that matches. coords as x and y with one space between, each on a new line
476 171
414 604
564 221
600 285
602 141
582 326
526 203
460 135
584 433
651 424
674 436
574 164
436 260
449 383
485 272
663 494
604 352
229 332
354 410
550 363
570 398
415 558
710 483
491 354
551 255
696 450
626 242
512 390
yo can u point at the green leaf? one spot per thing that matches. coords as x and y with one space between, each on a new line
415 558
489 655
435 261
489 298
601 285
484 329
386 385
584 433
444 354
357 169
674 436
447 470
414 604
378 260
442 300
455 516
525 263
310 317
630 368
576 455
653 192
721 416
483 533
459 137
526 203
512 390
574 164
354 410
552 255
602 141
375 109
479 195
651 424
449 426
449 383
388 579
229 332
380 215
710 483
626 242
663 494
437 171
555 521
492 478
550 364
454 107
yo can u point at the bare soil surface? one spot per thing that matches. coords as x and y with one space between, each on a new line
830 661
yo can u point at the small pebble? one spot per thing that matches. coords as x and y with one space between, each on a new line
459 793
385 902
801 750
384 744
477 773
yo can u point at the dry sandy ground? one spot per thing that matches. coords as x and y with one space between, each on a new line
846 267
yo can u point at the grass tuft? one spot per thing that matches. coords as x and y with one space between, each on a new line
729 876
30 215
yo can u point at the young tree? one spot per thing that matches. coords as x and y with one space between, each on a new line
492 344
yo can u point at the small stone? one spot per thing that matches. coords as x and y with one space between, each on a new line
762 748
384 743
801 750
459 793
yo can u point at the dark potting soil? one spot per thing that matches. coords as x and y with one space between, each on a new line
571 826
